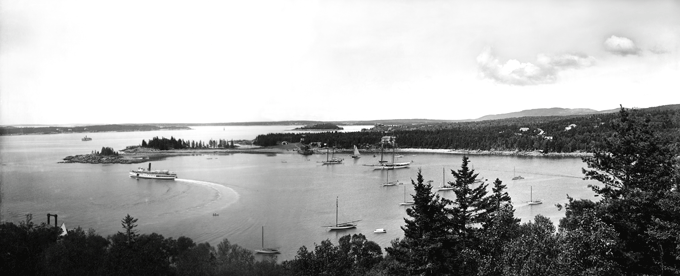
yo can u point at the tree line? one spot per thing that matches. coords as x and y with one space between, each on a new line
633 229
546 134
172 143
105 151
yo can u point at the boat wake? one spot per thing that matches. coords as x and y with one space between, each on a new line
230 194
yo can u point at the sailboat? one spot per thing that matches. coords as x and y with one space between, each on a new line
406 203
390 183
531 201
516 177
332 160
444 187
479 179
356 154
341 226
266 250
384 165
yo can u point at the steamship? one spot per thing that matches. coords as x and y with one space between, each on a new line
155 174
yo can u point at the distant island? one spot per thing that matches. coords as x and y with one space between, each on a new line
11 130
325 126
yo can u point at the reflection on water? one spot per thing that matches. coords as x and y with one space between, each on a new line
292 195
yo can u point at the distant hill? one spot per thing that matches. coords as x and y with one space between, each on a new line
543 112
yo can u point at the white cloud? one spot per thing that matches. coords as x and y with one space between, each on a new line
621 46
545 70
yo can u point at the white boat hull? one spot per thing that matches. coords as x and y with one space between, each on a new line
267 251
406 203
390 167
342 226
153 176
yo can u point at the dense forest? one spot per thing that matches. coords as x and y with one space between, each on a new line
172 143
107 151
546 134
632 229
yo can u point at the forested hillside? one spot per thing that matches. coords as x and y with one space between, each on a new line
547 134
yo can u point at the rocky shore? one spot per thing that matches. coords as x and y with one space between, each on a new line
103 159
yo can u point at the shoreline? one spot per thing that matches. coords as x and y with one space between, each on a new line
141 155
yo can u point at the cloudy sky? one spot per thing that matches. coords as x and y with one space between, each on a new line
87 62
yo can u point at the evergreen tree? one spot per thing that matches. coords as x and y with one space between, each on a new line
469 210
427 246
471 204
634 158
129 224
637 167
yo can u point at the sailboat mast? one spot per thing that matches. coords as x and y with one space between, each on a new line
336 211
443 176
394 147
531 195
382 146
263 236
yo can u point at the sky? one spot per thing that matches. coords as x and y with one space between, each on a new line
108 62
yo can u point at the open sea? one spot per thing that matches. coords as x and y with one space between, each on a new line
291 195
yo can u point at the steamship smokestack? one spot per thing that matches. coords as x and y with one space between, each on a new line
149 166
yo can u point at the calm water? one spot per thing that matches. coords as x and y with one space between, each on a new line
292 195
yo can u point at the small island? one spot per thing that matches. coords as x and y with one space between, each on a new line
160 148
105 156
320 127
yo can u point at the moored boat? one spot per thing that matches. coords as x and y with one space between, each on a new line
333 160
86 138
384 164
356 154
343 225
155 174
443 187
532 201
406 203
265 250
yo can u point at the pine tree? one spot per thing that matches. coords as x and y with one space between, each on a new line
129 225
637 167
427 244
470 210
471 204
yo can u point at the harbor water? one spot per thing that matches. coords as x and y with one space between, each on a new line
218 196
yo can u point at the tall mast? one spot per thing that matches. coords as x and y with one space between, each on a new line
531 196
382 145
443 176
394 148
263 236
336 211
